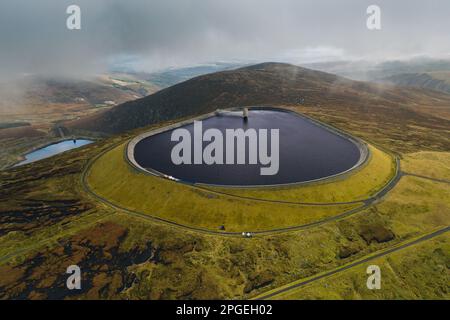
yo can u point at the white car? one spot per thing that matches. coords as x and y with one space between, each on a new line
171 178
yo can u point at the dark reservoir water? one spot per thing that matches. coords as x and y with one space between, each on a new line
52 150
307 152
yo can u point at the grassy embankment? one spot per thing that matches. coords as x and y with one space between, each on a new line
112 178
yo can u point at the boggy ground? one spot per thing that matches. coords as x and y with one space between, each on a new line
49 222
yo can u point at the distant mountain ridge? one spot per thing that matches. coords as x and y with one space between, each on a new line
367 70
419 80
170 77
261 84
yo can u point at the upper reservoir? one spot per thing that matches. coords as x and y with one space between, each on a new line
307 151
52 150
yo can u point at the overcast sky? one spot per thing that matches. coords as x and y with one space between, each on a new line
163 33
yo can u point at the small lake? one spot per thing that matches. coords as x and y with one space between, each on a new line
308 151
52 150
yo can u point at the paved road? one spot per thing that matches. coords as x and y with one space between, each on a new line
425 177
356 263
365 204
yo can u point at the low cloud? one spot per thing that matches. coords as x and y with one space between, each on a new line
161 33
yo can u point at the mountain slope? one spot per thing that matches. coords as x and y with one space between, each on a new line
439 81
266 84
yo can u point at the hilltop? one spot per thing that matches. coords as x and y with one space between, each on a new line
408 113
438 81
